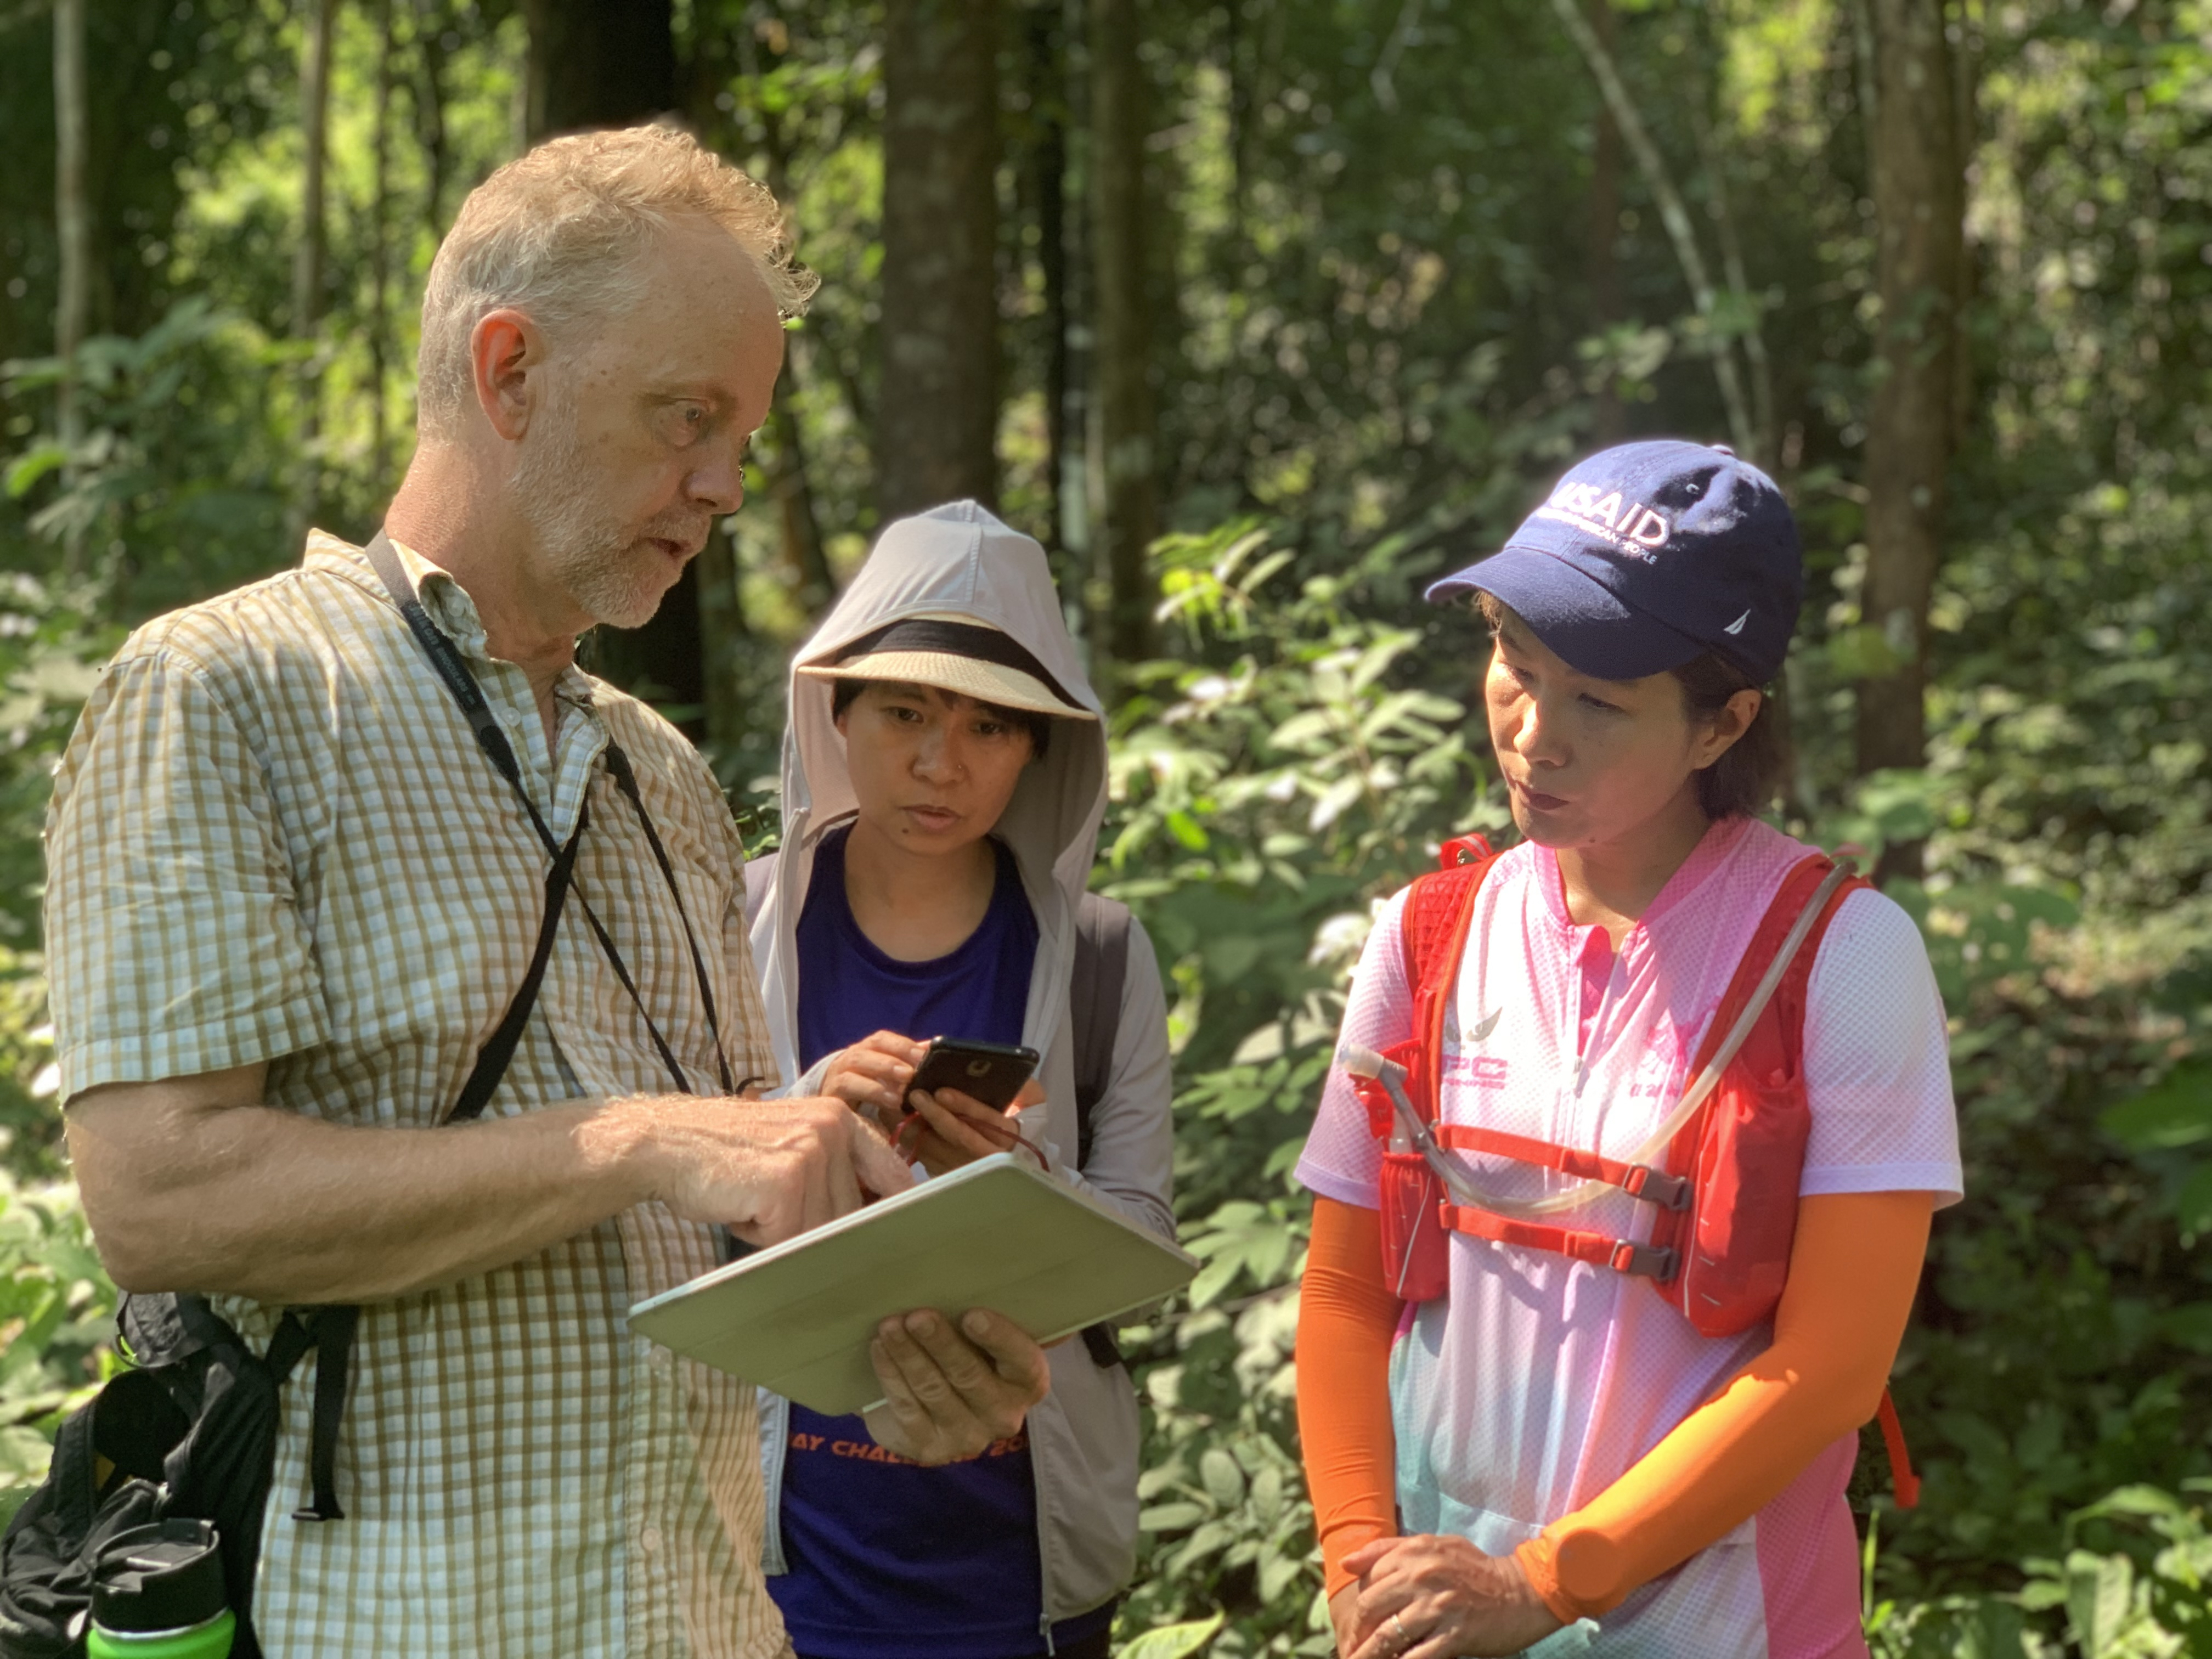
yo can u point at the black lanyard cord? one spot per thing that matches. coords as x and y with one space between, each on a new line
626 781
445 660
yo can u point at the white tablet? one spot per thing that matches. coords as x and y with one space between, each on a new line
798 1318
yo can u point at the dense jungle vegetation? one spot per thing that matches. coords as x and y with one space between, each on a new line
1286 307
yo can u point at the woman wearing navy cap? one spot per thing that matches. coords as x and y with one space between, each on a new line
1600 1296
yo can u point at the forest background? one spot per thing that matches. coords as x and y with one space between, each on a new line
1259 314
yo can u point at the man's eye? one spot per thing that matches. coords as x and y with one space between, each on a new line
685 421
1601 704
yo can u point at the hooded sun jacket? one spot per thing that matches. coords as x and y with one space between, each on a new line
958 559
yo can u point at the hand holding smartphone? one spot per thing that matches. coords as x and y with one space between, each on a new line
990 1074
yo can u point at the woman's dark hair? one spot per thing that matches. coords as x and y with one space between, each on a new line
1745 777
844 692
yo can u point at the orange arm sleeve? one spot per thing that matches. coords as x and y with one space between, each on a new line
1346 1319
1853 1271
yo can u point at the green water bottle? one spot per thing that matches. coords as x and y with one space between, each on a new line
158 1593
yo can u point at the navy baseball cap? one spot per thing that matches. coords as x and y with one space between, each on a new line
1647 556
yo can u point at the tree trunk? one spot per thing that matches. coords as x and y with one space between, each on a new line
379 263
1674 217
308 256
1607 418
1124 474
430 111
726 640
1048 74
937 402
73 223
1078 341
597 63
1920 194
605 63
804 557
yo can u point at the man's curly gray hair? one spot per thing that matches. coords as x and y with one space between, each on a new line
558 234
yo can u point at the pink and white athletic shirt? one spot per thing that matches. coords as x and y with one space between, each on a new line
1539 1381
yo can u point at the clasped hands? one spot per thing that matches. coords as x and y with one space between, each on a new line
1431 1597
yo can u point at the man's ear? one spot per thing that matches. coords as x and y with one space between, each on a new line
507 362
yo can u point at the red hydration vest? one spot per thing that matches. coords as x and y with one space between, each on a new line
1726 1189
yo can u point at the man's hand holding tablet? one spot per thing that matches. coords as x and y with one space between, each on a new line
949 1392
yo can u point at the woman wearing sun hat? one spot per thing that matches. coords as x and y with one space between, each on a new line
1547 1441
944 778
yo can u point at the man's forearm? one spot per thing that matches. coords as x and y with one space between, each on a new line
262 1202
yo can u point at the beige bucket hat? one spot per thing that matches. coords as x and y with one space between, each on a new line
953 653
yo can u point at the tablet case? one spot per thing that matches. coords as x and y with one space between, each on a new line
796 1318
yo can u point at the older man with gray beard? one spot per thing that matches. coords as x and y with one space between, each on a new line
295 898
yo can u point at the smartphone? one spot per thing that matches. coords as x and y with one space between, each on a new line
990 1072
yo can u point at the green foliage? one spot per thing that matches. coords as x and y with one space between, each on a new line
171 490
179 470
2172 1115
56 1327
1287 772
2131 1584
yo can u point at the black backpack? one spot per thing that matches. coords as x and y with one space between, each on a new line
190 1432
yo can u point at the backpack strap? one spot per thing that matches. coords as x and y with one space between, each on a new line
1624 1256
1765 1006
1785 916
1094 994
1439 911
332 1331
1903 1481
1668 1192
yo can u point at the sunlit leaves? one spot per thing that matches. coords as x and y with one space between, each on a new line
2176 1111
55 1312
1174 1641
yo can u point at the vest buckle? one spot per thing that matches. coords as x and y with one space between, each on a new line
1668 1192
1643 1261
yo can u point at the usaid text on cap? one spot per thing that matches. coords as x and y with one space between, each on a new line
1630 526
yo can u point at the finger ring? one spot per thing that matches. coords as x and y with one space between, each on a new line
1399 1626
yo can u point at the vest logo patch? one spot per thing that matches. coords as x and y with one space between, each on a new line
1475 1071
1471 1034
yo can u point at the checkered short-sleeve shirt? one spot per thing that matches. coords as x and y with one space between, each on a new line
273 838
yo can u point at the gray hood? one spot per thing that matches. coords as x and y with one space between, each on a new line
955 559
